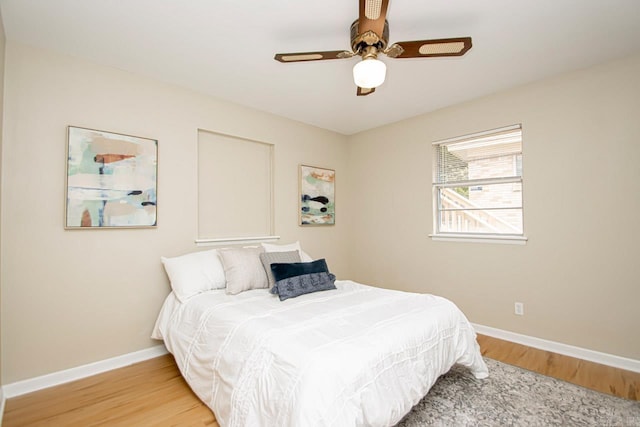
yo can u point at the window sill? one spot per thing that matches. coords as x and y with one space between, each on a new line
235 240
472 238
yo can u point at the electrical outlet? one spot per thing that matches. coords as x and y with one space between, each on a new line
519 309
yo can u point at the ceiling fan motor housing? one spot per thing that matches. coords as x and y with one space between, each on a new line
359 42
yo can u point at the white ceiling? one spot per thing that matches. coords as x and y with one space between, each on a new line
225 48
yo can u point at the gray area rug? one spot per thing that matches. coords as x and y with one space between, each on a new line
512 396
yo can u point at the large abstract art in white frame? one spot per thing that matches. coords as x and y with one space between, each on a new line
111 180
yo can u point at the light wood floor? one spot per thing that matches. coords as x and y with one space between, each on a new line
152 393
605 379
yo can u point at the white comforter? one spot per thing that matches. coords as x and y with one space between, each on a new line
354 356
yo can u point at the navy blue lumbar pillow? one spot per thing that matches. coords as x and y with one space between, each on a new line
295 286
283 271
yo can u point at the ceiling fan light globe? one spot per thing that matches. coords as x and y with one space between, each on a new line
369 73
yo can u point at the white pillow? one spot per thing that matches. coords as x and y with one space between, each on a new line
304 257
194 273
243 269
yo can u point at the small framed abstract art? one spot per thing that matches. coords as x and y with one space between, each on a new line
111 180
317 196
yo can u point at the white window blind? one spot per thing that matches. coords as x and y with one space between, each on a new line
235 187
478 184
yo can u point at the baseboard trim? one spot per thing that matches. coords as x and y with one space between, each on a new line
56 378
560 348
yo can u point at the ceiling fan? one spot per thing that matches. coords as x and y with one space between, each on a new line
370 37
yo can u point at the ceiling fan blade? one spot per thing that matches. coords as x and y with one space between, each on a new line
312 56
430 48
372 16
364 91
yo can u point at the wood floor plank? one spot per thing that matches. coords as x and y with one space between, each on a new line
602 378
153 393
150 393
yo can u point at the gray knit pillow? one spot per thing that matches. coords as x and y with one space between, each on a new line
269 258
243 269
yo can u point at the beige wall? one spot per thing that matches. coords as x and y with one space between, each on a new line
74 297
578 276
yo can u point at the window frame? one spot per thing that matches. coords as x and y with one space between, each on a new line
263 149
437 234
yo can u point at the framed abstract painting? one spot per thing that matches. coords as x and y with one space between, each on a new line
317 196
111 180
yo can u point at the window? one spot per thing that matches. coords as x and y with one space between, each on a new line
235 188
477 185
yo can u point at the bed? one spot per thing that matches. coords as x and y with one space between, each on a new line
356 355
